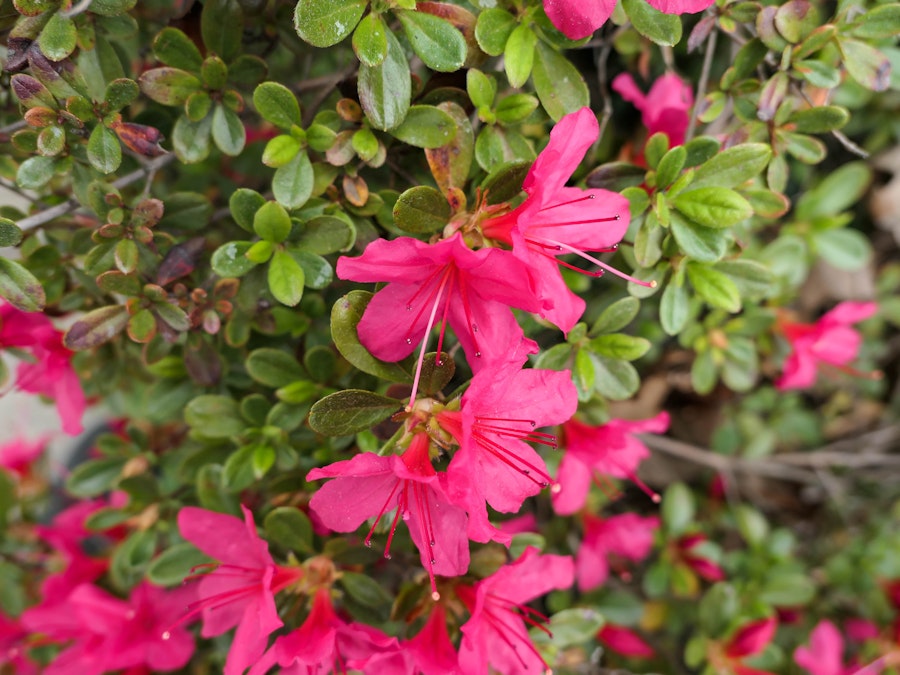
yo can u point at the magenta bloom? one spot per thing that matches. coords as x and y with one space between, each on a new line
824 655
686 549
496 634
51 374
665 108
608 450
442 283
555 220
324 643
12 652
431 650
749 640
830 340
18 455
498 415
240 590
369 486
624 641
579 18
627 536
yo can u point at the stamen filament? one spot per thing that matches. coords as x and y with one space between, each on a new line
603 265
415 387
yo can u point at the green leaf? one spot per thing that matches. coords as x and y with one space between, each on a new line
843 248
715 207
35 172
504 182
318 271
228 130
421 210
440 46
222 27
385 89
838 191
618 315
350 411
277 104
450 163
244 203
273 367
820 120
323 23
286 278
741 366
290 528
173 316
704 373
574 626
120 93
620 346
229 260
94 477
670 166
126 255
787 589
753 279
518 57
700 243
191 139
96 327
292 183
493 29
481 88
663 29
175 564
878 22
174 48
868 66
58 37
426 126
558 84
214 416
733 166
677 508
323 235
674 308
515 108
717 289
280 150
370 39
20 287
103 150
272 222
169 86
615 379
10 234
345 315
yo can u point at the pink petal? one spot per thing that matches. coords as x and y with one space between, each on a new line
824 656
681 6
624 641
751 638
847 313
577 19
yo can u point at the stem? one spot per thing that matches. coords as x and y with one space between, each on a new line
704 80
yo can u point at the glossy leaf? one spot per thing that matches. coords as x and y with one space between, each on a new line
350 411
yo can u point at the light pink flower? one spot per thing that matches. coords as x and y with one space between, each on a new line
624 641
498 416
606 450
628 536
496 634
556 220
368 486
824 655
240 590
829 340
665 108
579 18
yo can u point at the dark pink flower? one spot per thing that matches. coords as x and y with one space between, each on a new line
496 634
689 550
370 486
824 655
431 650
324 643
556 220
830 340
18 455
12 647
498 416
440 284
665 108
627 536
240 590
749 640
579 18
624 641
51 374
606 450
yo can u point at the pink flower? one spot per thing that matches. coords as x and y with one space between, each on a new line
498 415
12 652
824 655
18 455
51 374
627 536
445 283
431 649
686 551
749 640
240 590
830 340
665 108
324 643
496 634
606 450
371 486
579 18
624 641
555 220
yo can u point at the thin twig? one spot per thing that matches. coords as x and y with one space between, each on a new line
10 128
603 84
704 80
77 9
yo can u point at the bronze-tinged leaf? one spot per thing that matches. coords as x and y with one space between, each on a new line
96 327
450 163
180 261
140 138
356 190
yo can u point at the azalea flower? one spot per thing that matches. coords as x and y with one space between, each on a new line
431 650
12 652
498 416
556 220
824 655
830 340
628 536
606 450
239 590
688 550
579 18
496 634
18 455
748 641
624 641
442 283
370 486
665 108
323 643
51 374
